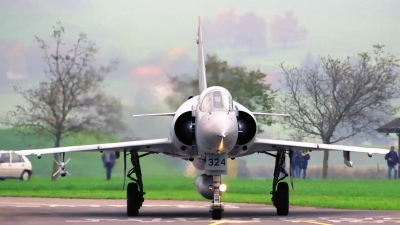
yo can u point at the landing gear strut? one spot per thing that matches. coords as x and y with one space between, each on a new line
216 207
134 191
280 190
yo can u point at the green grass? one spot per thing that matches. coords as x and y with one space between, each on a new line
338 193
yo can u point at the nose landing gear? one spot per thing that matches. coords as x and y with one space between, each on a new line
216 165
216 207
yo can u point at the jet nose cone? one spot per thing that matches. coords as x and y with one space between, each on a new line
225 131
220 131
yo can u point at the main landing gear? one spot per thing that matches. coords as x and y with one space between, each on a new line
134 191
280 190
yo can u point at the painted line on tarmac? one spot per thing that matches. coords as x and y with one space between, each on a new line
161 220
236 221
218 222
312 222
239 220
37 204
83 221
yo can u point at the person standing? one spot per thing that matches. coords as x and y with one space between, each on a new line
109 162
392 162
304 163
296 161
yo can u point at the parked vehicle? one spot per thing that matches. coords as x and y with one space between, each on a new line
14 166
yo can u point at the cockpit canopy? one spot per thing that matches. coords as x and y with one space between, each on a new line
216 100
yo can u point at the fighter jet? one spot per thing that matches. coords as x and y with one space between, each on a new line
208 130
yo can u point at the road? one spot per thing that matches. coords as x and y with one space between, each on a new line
33 211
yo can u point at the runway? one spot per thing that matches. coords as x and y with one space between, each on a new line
32 211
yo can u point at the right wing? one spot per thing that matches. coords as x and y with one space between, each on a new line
155 114
155 145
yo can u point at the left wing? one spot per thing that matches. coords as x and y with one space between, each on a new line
261 145
270 114
156 145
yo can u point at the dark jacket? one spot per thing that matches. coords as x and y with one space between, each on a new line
393 156
296 160
304 162
108 158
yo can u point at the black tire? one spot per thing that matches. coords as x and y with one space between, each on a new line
134 199
282 199
25 176
216 214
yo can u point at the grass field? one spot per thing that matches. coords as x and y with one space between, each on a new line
337 193
163 179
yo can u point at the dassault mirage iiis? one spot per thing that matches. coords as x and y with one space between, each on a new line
209 130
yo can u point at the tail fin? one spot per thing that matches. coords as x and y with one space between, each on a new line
201 66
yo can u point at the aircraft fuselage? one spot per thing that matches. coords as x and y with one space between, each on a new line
216 121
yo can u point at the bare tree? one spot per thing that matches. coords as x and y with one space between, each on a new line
287 29
70 100
251 32
231 29
338 99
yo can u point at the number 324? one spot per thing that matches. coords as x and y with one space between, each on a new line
216 162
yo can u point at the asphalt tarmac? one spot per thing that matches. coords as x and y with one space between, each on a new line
32 211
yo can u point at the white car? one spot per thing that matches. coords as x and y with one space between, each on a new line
13 165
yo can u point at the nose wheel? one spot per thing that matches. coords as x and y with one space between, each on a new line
216 214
